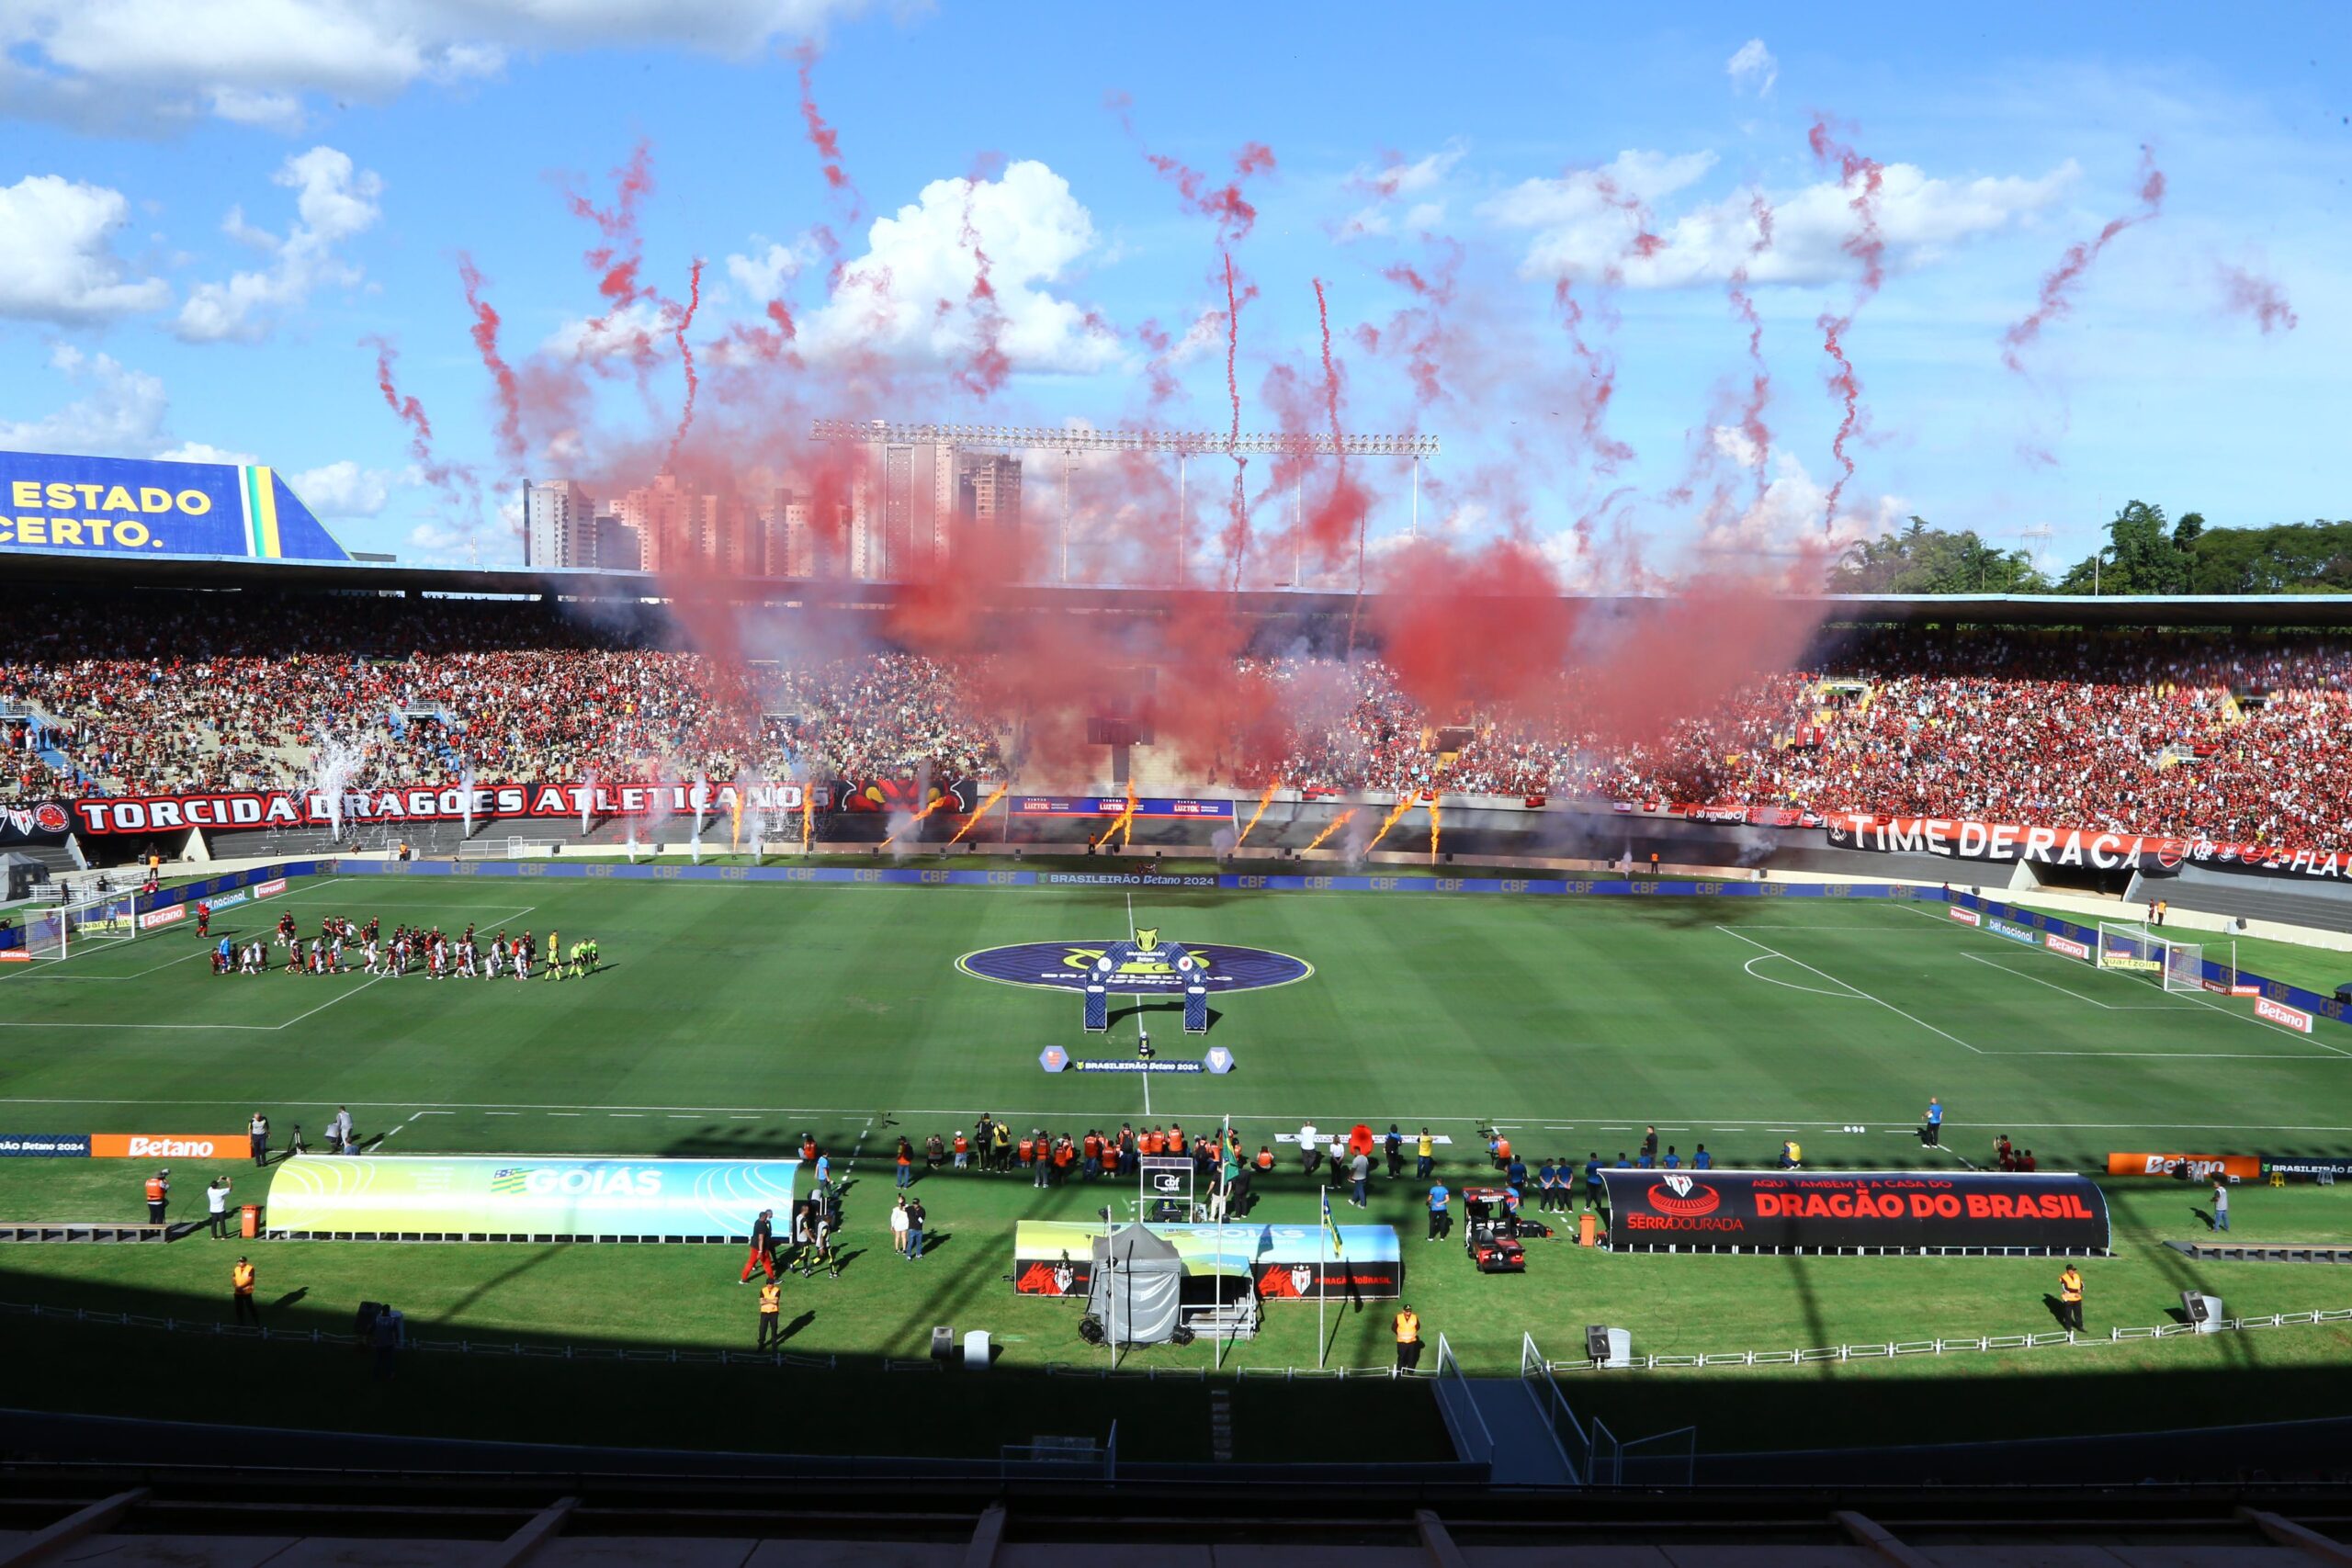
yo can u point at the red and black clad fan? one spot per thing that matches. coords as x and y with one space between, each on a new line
763 1247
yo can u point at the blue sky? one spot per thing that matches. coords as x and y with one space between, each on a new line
214 208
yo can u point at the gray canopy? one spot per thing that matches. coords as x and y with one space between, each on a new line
1137 1278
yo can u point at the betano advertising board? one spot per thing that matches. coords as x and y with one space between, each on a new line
117 506
1902 1211
522 1195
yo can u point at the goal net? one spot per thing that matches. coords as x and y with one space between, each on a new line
53 933
2136 950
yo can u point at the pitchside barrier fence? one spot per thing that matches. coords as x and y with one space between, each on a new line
2217 977
510 1349
1900 1347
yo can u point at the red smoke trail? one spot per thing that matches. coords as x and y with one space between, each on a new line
985 372
1600 384
1867 246
616 261
1237 536
1418 332
2057 288
1344 497
447 478
502 375
825 138
679 322
2249 294
1225 203
1759 383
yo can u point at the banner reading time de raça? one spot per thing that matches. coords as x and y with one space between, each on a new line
519 1195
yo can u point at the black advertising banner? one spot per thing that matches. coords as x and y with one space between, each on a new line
1961 839
1786 1210
43 823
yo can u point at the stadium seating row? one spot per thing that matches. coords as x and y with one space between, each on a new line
2238 738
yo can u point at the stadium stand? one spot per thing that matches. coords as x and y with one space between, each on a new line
2228 736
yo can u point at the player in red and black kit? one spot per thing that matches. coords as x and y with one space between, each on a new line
762 1247
203 919
286 927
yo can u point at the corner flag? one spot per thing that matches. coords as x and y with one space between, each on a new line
1330 1230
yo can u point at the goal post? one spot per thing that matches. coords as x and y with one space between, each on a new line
2135 950
53 933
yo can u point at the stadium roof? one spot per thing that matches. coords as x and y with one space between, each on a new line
225 573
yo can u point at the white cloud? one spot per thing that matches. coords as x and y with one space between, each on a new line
120 414
1791 518
639 329
1033 230
1753 64
203 451
1592 224
124 64
1396 180
57 260
762 276
281 112
334 202
343 490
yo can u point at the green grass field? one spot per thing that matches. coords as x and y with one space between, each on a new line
730 1018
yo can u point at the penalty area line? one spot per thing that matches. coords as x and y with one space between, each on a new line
1857 990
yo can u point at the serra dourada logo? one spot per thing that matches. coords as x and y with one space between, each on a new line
1684 1198
1072 965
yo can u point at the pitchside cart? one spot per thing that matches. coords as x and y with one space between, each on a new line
1493 1239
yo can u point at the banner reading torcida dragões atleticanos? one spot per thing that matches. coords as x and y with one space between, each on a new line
118 506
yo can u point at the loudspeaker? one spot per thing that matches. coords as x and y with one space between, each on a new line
2203 1311
2344 993
1609 1346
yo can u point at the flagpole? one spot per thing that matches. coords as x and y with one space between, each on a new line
1322 1283
1223 1203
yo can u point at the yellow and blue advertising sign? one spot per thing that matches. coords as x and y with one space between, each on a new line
115 507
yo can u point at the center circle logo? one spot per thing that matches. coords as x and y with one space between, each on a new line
1072 965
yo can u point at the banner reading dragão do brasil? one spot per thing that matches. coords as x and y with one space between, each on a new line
567 1199
1906 1211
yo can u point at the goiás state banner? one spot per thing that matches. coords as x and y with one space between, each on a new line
118 506
1056 1257
525 1198
1804 1210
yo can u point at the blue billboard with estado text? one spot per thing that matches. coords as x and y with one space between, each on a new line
120 506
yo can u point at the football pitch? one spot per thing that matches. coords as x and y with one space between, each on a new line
729 1018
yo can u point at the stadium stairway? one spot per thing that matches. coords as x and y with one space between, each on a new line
1526 1452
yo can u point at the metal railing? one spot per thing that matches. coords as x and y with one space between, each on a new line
1966 1344
1472 1438
1595 1455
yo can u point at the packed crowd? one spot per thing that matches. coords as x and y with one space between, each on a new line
2242 739
263 695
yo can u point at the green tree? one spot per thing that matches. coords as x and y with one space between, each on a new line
1926 560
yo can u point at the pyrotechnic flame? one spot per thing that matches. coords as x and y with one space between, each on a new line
1333 826
735 821
1124 819
1434 824
943 798
1271 787
807 812
1404 802
974 819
